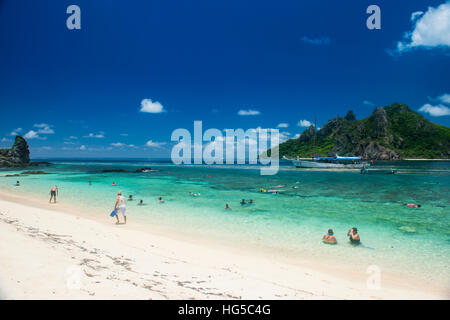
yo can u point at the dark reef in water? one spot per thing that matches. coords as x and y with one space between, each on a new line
144 169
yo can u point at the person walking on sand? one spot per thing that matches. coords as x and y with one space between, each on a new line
53 194
120 207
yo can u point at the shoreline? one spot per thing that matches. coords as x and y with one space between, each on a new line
301 279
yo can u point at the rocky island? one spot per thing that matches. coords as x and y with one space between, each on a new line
17 156
393 132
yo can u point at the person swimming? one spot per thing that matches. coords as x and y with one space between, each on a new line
113 184
413 205
130 197
329 238
250 201
243 202
90 183
141 203
17 183
354 236
160 200
227 206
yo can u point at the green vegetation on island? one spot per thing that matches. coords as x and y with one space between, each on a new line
394 132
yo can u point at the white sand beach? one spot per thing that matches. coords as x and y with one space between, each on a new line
47 252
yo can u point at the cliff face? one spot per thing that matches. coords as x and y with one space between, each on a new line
391 133
17 156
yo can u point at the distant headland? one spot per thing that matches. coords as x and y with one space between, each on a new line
393 132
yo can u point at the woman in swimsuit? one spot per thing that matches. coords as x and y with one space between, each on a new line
120 207
354 236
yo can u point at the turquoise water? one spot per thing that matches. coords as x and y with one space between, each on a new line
289 224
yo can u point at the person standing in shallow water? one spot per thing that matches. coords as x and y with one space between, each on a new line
120 207
53 194
353 236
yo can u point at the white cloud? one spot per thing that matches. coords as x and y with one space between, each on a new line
124 134
44 128
154 144
415 15
435 111
368 103
304 123
445 98
73 138
117 144
248 112
322 41
431 29
4 140
282 125
15 132
32 135
147 105
99 135
297 136
83 147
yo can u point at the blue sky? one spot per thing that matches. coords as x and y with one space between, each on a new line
231 64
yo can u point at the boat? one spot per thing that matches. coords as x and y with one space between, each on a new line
336 162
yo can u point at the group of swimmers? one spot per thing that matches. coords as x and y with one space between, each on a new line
243 203
353 235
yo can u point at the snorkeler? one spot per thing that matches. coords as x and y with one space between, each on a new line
329 237
354 236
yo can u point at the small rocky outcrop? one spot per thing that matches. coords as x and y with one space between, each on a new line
17 156
350 116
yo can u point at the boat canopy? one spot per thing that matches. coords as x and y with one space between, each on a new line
337 158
